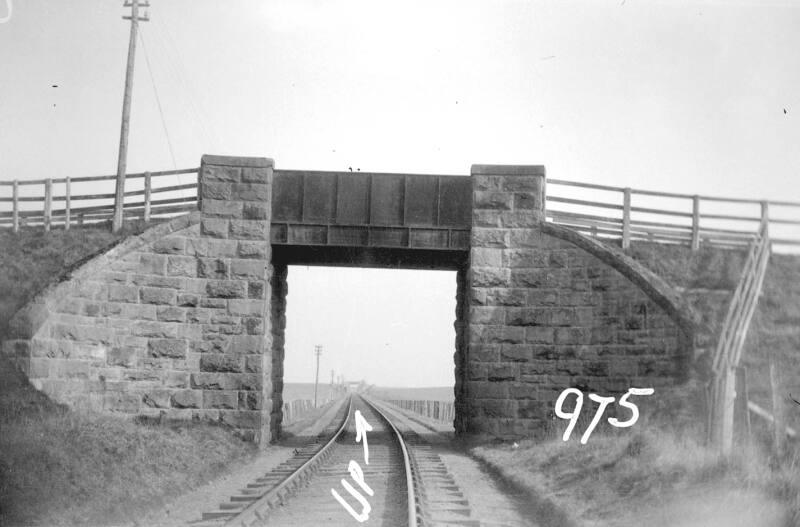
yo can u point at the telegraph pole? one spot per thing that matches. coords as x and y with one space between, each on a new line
318 352
119 196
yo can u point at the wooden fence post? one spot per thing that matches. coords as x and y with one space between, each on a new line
626 219
728 399
67 205
720 430
741 418
765 212
779 432
147 191
695 223
48 203
16 205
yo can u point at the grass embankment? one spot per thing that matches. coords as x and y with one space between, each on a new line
69 467
31 259
650 476
433 393
774 333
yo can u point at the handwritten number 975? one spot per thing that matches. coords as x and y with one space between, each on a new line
602 402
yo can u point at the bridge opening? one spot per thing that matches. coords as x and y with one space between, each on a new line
392 332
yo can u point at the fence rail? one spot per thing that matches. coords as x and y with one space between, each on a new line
602 211
646 215
443 411
298 408
729 348
100 206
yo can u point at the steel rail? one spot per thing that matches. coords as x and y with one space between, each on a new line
410 487
253 512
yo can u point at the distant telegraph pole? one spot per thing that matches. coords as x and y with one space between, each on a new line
119 196
318 352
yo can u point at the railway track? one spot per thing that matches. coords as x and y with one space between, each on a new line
402 482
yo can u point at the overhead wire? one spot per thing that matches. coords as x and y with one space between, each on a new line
158 101
196 108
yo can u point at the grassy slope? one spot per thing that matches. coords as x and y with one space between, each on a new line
305 390
774 332
649 476
30 260
63 467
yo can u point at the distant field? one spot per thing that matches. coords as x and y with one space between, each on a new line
433 393
305 390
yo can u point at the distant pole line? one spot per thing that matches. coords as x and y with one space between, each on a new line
317 352
119 195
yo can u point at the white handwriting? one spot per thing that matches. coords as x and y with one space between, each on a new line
603 403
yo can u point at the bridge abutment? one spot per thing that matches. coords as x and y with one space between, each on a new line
546 314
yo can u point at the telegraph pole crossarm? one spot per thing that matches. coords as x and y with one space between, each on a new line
119 195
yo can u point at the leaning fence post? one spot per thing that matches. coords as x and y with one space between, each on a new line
66 206
695 223
741 417
726 410
626 219
15 197
777 408
147 191
48 203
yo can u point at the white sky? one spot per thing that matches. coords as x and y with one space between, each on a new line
676 96
391 327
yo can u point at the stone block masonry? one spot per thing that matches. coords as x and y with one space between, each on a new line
546 314
173 322
187 320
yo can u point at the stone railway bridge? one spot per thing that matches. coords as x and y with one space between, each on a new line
187 319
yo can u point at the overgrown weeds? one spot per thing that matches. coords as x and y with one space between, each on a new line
65 467
653 475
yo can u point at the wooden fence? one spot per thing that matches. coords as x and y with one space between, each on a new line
729 348
92 208
443 411
635 214
297 408
292 410
602 211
